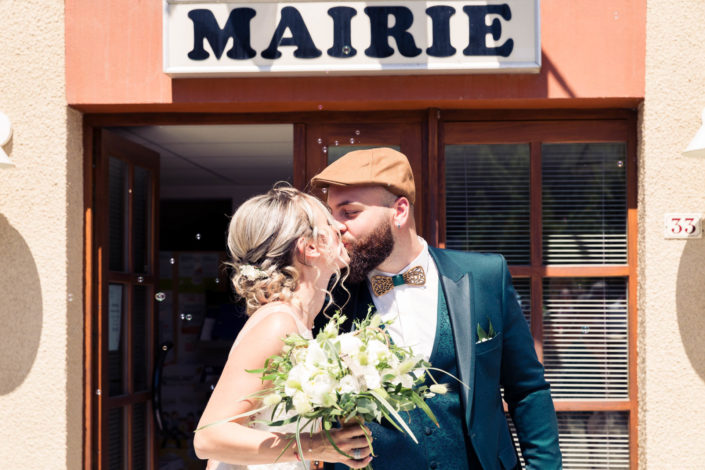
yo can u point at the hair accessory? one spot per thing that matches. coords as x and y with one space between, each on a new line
252 273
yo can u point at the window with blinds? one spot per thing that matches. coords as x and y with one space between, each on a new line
553 197
590 440
584 203
487 200
585 338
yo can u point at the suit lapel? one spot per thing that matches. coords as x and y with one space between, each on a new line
457 287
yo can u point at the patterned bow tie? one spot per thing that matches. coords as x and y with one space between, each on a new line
383 284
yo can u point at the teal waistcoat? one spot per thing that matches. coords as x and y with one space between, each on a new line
439 447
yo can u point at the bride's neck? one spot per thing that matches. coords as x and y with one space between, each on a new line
309 297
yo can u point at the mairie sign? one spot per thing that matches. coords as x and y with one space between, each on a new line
358 37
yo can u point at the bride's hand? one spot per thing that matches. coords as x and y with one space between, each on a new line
350 439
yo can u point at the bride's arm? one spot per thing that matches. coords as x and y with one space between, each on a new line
236 443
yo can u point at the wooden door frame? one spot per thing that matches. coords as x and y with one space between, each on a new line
95 293
428 118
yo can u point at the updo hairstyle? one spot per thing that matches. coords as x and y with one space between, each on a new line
262 240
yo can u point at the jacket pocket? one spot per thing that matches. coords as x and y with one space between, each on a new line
489 345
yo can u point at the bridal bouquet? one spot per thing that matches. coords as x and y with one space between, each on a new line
338 377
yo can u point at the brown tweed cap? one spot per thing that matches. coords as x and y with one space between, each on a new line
370 167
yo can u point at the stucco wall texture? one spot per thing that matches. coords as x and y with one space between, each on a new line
41 245
672 272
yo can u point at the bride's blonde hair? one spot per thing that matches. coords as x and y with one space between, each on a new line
262 239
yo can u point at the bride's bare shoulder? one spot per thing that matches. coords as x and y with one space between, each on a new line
271 321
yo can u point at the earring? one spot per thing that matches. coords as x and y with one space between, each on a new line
398 225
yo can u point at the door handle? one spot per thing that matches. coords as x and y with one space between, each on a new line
157 383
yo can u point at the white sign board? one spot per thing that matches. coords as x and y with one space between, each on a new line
683 225
235 38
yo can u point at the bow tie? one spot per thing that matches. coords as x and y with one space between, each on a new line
383 284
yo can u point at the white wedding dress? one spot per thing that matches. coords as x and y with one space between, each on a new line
266 414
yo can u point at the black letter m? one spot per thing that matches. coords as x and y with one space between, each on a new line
205 27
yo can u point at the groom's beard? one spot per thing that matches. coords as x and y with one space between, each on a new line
370 251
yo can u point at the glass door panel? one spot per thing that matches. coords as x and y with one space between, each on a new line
116 351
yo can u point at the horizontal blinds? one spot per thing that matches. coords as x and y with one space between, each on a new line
116 439
585 338
590 440
140 438
584 203
488 199
513 430
594 440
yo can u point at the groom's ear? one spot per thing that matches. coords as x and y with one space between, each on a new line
402 211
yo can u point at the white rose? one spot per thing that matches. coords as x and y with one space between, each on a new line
316 356
320 389
348 384
298 375
372 378
353 363
349 344
377 351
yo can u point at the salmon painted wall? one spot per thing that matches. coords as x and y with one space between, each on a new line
593 55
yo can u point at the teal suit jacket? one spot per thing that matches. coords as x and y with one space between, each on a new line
478 289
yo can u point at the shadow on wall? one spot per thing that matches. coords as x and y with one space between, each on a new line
690 302
20 308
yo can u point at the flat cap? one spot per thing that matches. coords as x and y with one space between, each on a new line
370 167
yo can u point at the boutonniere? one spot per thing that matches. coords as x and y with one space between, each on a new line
483 335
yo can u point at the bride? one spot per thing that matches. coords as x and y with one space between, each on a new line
285 247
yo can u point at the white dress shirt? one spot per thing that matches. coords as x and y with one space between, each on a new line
414 309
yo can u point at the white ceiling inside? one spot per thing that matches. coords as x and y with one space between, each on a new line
218 160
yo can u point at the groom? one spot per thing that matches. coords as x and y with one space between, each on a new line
459 310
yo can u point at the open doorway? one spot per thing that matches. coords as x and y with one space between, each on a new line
159 204
206 172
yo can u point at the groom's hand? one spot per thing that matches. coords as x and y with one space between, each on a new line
350 439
